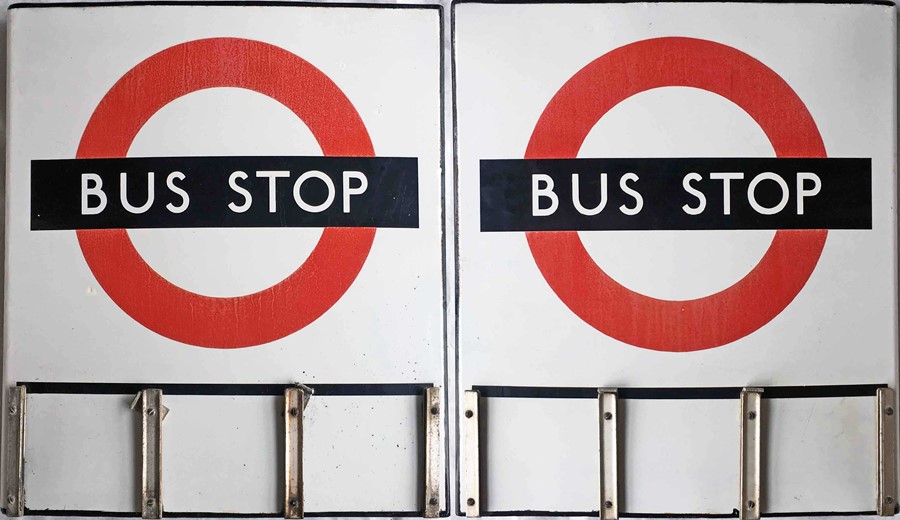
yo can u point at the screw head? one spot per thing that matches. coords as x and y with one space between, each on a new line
432 501
10 499
13 409
469 414
470 502
607 416
751 504
889 410
293 503
151 411
151 502
608 504
435 410
294 412
751 416
889 500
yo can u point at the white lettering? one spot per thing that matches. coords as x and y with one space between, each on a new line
546 191
314 174
576 196
638 199
185 198
87 191
123 194
348 191
751 193
272 176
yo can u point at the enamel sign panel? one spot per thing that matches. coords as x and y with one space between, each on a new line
219 201
232 200
672 196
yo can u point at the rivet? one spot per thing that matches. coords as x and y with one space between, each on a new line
469 414
435 410
889 410
293 503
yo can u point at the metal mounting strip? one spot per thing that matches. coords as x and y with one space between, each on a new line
295 399
15 454
152 414
433 460
751 439
608 398
472 453
887 453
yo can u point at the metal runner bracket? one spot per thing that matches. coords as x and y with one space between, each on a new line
15 454
152 414
751 418
295 399
472 460
607 399
887 452
433 461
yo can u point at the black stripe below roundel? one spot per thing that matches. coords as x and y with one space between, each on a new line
225 192
675 194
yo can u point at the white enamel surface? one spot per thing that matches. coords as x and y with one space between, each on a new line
678 456
840 329
224 454
682 457
82 453
387 328
808 439
386 61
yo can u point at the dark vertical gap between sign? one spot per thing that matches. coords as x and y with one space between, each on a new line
457 389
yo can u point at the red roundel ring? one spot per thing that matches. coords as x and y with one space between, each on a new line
637 319
283 308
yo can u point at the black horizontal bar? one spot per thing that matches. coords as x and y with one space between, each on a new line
888 3
79 512
215 192
519 195
361 389
222 3
176 514
596 514
569 514
734 514
730 392
820 513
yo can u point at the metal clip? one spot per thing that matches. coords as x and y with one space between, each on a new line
433 460
607 399
751 440
152 414
295 401
15 454
887 453
472 454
